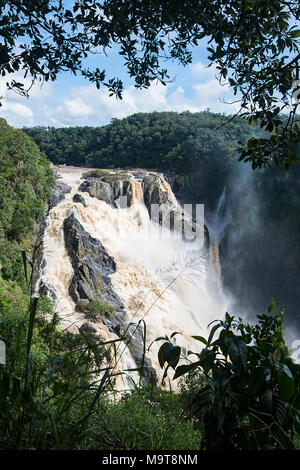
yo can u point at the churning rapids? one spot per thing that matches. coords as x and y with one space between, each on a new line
158 279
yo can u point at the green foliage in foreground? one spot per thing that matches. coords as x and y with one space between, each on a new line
251 399
57 389
153 419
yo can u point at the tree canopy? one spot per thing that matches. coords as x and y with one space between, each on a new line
166 141
253 43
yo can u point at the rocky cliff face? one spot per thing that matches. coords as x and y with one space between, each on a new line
108 187
91 264
92 267
197 188
158 197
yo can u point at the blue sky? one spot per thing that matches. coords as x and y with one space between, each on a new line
73 101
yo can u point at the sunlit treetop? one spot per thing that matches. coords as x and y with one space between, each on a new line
253 43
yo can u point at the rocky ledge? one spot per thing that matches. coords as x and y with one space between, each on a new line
60 190
158 197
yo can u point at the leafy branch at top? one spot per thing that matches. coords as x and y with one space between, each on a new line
254 45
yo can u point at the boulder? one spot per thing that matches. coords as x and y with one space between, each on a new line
101 190
87 328
60 190
79 198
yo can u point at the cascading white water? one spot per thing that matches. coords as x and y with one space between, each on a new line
217 224
58 270
158 278
219 219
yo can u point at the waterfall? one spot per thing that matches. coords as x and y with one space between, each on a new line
214 256
218 221
159 278
137 192
217 224
57 271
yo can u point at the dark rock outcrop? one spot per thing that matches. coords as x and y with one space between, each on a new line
79 198
92 266
101 190
44 289
87 328
91 263
170 214
154 192
60 190
107 187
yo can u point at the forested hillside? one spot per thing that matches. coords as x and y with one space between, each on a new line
26 182
170 141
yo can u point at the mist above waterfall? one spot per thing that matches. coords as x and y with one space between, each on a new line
254 249
253 224
218 219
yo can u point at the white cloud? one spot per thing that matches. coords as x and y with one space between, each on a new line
209 93
96 107
58 105
19 110
177 101
91 107
202 71
16 114
38 90
76 108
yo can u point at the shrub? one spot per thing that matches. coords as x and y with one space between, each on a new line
96 308
50 384
251 399
151 419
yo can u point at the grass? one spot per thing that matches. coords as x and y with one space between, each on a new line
151 419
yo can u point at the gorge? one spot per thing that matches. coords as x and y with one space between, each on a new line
100 245
123 256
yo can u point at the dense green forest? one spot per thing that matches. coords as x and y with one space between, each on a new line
180 142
